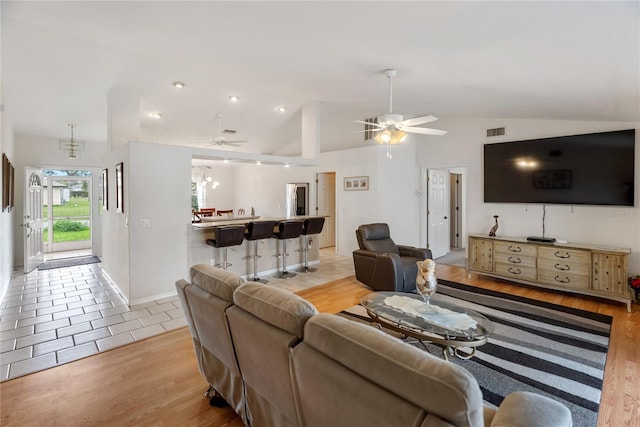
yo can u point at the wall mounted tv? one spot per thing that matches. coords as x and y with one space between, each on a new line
590 169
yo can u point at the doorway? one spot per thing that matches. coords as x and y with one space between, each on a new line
326 206
443 199
67 219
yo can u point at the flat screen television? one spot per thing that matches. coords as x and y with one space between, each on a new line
589 169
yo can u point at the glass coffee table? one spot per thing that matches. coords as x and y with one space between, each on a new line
446 325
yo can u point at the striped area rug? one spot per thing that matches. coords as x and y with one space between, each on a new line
536 346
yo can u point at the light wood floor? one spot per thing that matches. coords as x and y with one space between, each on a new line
156 382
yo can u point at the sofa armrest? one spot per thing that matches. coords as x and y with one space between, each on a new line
379 271
524 409
414 252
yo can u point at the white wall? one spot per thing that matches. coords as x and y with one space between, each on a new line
159 195
115 237
145 248
6 217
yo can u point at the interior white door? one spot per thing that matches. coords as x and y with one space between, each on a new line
438 212
32 219
326 206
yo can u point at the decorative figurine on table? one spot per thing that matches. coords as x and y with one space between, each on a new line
426 282
492 232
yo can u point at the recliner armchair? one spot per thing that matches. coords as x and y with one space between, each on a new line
381 264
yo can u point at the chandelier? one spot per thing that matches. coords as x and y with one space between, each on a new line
71 146
201 176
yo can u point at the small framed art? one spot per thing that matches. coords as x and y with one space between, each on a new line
356 183
119 188
105 189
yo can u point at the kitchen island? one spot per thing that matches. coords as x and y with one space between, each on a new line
269 263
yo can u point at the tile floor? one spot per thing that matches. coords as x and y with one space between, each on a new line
52 317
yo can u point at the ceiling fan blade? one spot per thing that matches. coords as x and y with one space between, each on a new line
424 131
378 125
234 141
416 121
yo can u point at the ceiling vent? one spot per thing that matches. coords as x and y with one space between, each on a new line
229 131
370 128
495 132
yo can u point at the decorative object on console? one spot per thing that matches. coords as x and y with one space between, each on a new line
492 232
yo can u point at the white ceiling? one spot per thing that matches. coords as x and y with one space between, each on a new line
538 60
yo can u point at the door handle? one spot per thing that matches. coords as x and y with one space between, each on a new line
445 217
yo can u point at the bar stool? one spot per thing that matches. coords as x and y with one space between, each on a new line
258 230
225 236
286 230
310 226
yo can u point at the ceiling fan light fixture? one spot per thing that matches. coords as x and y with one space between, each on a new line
398 137
390 136
383 137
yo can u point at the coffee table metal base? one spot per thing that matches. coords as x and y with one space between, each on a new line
450 347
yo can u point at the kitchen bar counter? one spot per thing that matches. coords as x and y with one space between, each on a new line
201 253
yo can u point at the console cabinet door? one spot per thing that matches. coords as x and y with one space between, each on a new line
481 254
610 273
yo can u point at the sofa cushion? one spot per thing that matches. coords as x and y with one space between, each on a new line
277 307
441 388
214 280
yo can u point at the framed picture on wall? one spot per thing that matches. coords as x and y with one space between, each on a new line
356 183
119 188
105 189
12 186
6 173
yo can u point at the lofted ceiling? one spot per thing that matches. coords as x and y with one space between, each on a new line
539 60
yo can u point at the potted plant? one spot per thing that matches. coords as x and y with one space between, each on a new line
634 284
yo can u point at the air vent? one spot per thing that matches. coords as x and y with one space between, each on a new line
495 132
369 129
229 131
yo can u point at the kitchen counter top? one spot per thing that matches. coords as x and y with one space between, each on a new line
216 221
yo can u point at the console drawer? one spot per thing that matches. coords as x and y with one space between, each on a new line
565 255
522 249
564 279
515 260
516 271
559 266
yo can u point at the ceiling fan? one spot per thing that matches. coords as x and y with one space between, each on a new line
392 128
222 139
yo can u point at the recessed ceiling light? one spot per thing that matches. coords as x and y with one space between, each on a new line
281 109
234 98
287 165
226 160
155 115
258 163
179 84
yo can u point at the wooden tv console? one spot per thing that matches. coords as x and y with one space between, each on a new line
584 269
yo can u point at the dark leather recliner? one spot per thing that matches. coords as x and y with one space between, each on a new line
381 264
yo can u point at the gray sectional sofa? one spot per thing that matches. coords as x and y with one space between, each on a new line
280 363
